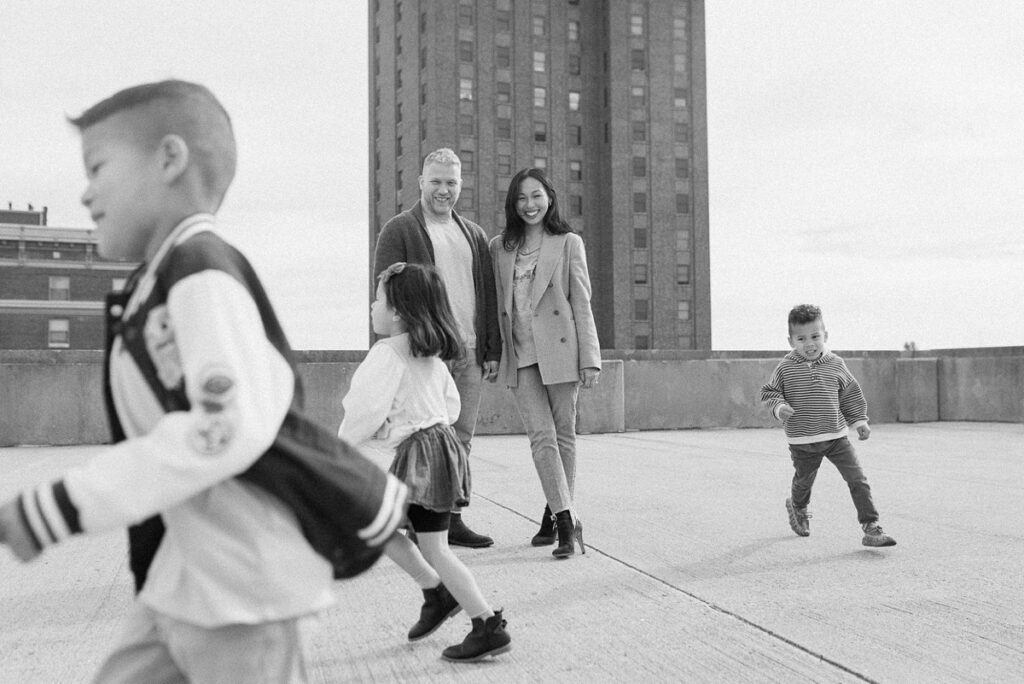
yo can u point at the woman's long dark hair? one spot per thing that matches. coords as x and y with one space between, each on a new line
417 294
515 228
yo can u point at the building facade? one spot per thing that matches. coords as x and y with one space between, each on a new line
609 96
52 284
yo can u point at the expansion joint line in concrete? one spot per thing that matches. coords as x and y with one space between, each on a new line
710 604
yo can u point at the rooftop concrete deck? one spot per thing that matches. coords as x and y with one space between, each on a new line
691 571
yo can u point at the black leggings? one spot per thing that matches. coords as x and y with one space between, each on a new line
425 520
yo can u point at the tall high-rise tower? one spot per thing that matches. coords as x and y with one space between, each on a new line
609 96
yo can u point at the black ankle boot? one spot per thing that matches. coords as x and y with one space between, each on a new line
460 535
546 535
488 638
568 535
438 606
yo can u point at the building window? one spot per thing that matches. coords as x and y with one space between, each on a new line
503 20
503 92
574 65
466 89
465 15
59 334
640 274
466 157
503 128
60 288
398 12
639 131
574 101
682 203
503 56
398 113
683 278
636 60
640 238
467 196
376 34
636 25
683 312
503 111
540 162
640 309
540 131
467 124
679 28
641 342
575 134
465 51
682 167
423 97
679 63
398 146
539 27
117 284
540 96
505 164
539 61
575 205
398 45
398 180
398 78
637 97
683 240
679 98
423 22
639 202
639 167
423 58
575 170
574 31
682 131
423 129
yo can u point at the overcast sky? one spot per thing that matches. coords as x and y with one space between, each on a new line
864 156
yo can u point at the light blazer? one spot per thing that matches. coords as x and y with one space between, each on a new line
563 323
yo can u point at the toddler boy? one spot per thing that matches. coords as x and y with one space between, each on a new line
815 396
240 508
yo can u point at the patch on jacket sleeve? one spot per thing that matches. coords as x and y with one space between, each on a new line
215 423
162 347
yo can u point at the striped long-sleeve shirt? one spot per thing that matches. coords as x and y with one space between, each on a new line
824 395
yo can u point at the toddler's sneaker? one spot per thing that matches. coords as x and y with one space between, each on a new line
799 519
874 536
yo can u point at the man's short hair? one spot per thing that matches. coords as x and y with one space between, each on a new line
445 155
173 107
803 313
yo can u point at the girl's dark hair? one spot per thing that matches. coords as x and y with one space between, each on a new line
515 228
417 294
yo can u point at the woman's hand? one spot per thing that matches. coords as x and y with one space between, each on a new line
588 377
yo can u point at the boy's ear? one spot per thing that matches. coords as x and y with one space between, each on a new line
173 156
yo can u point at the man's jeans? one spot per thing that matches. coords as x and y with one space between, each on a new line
549 415
807 458
468 376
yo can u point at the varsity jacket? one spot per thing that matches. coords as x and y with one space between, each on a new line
404 238
240 509
823 393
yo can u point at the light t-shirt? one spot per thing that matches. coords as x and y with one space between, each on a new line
454 260
522 304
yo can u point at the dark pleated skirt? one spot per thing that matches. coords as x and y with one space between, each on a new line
433 465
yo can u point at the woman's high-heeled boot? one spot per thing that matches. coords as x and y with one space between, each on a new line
568 535
546 535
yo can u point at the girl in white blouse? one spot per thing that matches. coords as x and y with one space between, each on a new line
403 395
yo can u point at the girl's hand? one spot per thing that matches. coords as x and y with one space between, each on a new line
588 377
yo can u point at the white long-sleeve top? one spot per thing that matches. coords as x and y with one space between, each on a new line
393 394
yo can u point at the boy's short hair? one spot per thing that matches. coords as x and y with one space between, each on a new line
445 155
803 313
180 108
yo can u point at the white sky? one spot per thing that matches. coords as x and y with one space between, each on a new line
864 156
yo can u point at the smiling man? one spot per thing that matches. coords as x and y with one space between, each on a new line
431 232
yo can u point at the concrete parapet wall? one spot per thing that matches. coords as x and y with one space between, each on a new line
55 397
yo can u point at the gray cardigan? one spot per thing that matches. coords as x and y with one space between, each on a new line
405 238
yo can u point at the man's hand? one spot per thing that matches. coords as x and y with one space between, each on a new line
588 377
490 371
863 432
14 533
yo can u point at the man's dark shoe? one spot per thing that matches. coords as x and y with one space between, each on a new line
438 606
460 535
488 638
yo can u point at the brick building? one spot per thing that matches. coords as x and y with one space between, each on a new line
609 96
52 284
